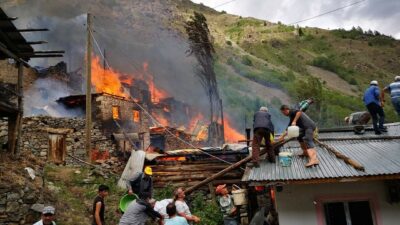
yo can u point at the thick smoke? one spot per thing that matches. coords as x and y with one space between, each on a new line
131 32
40 99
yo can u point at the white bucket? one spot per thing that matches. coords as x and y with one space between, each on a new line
293 131
239 196
285 159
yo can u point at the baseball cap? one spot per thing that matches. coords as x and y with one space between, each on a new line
374 82
48 210
219 188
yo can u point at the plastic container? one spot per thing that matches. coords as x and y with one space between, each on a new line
285 159
293 131
126 200
239 196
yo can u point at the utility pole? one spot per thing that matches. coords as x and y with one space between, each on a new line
88 86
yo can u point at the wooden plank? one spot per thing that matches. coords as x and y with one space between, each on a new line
340 155
233 166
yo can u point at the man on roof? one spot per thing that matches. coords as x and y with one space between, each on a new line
394 90
263 128
306 138
374 103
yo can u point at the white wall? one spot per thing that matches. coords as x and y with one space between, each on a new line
297 204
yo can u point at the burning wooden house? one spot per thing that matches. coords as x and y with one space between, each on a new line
118 117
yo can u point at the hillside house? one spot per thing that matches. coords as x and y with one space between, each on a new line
335 192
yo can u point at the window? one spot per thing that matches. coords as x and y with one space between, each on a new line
348 213
115 113
136 116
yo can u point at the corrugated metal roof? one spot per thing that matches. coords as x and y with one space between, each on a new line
379 157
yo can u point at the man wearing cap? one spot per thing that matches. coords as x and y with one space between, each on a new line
373 102
47 216
138 212
394 90
225 201
263 128
141 183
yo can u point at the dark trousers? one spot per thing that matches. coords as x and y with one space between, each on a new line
376 111
259 135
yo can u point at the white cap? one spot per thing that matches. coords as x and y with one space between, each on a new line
48 210
397 78
374 82
264 108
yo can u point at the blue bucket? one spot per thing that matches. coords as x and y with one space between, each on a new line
285 159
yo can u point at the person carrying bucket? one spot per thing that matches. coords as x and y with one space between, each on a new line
138 212
141 183
263 128
306 138
225 201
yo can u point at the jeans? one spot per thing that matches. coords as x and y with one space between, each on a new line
230 221
376 111
396 104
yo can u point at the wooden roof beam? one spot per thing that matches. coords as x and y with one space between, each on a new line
8 18
46 56
26 30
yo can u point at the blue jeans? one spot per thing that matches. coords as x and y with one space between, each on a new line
396 104
230 221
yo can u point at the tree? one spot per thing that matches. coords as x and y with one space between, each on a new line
201 47
311 88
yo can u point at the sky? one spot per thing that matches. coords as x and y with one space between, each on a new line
381 15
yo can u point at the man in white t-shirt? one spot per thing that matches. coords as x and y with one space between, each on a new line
161 207
47 216
182 208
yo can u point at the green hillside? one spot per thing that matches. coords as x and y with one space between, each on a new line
293 63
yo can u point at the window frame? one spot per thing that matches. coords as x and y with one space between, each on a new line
372 198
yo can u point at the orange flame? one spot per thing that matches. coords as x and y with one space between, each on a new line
156 93
195 121
107 80
163 121
231 135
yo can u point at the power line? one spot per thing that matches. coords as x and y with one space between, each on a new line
225 3
328 12
154 120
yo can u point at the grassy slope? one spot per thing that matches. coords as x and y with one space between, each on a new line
279 58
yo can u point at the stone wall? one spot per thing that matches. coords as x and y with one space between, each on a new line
9 74
103 112
36 130
16 203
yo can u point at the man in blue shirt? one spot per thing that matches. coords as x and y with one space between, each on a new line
394 90
374 105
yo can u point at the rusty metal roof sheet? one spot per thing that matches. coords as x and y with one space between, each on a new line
379 157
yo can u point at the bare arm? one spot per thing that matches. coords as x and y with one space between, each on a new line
298 114
189 218
97 214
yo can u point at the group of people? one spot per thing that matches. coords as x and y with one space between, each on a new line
264 130
166 212
374 100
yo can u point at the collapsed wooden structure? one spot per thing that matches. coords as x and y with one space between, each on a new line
14 46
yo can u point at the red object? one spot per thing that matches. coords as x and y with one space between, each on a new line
99 155
219 188
259 188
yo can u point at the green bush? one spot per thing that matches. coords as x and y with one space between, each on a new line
208 211
246 60
325 63
229 43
